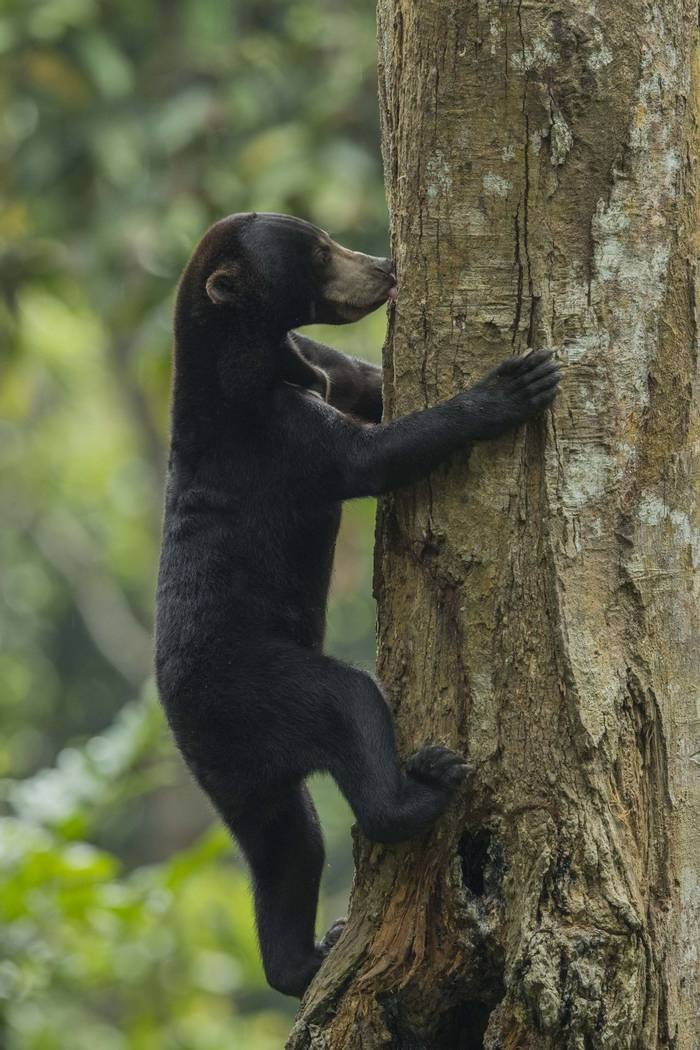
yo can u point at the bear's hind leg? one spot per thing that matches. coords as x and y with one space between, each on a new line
389 806
321 715
284 849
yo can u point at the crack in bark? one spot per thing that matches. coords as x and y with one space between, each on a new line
526 236
521 274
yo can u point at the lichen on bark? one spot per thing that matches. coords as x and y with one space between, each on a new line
538 599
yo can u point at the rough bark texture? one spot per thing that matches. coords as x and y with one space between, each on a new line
539 601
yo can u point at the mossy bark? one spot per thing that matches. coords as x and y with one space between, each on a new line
538 600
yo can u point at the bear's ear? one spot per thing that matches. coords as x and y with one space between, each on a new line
221 284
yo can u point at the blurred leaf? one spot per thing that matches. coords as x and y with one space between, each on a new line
57 77
86 782
107 64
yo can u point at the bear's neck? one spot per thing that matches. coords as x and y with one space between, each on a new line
224 372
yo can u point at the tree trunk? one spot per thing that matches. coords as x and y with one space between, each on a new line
538 608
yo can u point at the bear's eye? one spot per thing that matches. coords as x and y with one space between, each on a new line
323 254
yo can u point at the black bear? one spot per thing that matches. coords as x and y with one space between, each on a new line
270 433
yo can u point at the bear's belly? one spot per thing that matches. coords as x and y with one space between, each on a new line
221 586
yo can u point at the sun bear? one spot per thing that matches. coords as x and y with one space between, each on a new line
271 431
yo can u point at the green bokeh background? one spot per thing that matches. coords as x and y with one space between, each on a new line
126 127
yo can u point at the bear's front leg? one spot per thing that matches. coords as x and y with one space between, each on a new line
376 460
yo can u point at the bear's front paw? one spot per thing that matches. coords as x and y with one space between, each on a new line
438 766
519 388
331 937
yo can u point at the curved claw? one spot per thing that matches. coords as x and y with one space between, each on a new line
331 936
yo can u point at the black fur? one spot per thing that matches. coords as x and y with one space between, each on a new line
259 466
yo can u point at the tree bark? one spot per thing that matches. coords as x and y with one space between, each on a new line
538 600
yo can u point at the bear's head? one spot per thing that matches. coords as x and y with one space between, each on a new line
281 272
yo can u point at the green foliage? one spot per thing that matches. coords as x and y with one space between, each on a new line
163 956
126 126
